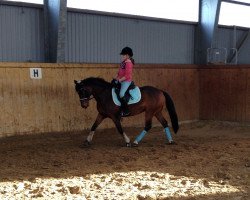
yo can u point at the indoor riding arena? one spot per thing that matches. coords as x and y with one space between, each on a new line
47 147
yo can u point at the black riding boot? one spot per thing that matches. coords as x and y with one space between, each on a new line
124 107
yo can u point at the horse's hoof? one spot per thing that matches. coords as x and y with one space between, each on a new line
135 145
171 143
128 144
85 144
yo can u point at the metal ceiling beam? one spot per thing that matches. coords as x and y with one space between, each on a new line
208 23
237 2
55 16
239 45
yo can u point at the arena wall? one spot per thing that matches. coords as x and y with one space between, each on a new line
51 104
225 93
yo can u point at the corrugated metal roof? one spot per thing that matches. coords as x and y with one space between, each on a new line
97 38
21 34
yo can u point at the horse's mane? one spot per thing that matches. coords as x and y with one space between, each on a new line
96 81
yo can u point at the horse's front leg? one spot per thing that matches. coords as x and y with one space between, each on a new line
120 130
97 122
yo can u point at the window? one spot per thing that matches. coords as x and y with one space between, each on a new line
235 14
28 1
167 9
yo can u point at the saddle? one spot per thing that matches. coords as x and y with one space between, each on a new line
132 95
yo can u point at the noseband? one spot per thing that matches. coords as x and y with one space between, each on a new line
84 99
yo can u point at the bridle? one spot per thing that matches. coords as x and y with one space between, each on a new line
91 96
86 98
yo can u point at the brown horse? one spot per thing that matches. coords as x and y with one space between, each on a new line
152 103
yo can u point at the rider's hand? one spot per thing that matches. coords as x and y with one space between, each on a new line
114 82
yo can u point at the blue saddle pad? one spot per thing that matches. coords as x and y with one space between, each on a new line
135 96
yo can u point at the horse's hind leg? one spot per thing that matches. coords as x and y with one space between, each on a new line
148 125
97 122
120 130
164 123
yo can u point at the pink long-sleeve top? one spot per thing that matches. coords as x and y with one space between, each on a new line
126 68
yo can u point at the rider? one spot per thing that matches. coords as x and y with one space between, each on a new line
124 76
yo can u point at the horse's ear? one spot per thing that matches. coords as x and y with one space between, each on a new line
77 82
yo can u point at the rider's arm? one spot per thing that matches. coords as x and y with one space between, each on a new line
122 79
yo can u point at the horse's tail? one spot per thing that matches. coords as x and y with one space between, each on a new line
171 110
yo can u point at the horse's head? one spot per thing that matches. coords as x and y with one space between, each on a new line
84 93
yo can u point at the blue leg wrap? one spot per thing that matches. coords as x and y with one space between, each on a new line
139 137
168 134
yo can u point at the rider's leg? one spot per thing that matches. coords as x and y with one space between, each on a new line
124 105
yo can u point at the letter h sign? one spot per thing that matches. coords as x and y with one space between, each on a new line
35 73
